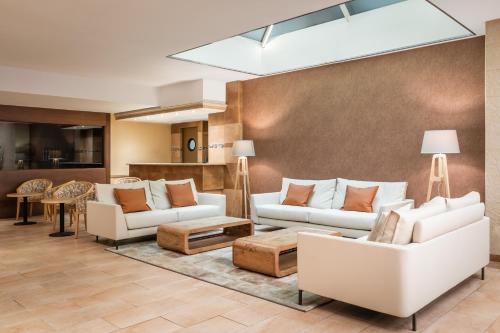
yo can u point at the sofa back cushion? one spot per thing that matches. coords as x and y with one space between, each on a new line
298 195
132 199
388 192
404 228
322 195
105 192
434 226
159 191
360 199
469 199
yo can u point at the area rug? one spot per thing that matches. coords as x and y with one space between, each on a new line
216 267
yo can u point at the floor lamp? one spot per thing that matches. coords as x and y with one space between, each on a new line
439 143
243 149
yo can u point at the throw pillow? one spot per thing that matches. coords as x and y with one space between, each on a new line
132 199
378 226
380 222
298 195
360 199
180 195
388 228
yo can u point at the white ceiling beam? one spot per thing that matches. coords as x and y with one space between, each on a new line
345 11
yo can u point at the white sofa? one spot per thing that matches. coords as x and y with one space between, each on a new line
105 217
324 207
397 279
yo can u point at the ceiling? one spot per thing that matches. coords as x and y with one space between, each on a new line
127 41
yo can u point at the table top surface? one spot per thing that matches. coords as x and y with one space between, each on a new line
57 201
284 238
205 224
24 195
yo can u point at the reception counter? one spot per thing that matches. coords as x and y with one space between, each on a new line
207 177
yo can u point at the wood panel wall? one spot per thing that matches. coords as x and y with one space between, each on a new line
202 141
12 178
365 119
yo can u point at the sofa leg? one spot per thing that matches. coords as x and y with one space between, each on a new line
414 322
116 245
300 297
96 239
482 273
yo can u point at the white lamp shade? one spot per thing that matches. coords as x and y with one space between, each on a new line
243 148
440 142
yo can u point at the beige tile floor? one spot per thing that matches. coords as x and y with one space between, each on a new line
68 285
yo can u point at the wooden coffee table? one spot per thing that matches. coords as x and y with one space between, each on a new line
272 253
178 236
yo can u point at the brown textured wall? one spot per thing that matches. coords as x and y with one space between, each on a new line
365 119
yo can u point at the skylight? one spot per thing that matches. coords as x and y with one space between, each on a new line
350 30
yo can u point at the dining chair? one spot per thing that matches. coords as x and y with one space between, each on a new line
40 186
79 192
124 180
51 209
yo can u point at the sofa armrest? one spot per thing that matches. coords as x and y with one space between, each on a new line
213 199
395 279
359 272
397 204
262 199
106 220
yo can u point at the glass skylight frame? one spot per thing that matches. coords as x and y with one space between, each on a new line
176 57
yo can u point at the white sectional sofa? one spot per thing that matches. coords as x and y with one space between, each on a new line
105 217
397 279
324 207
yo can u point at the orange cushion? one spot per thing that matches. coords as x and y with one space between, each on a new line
180 195
132 199
360 199
298 195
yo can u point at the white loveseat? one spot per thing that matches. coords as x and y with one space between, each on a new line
397 279
324 207
105 217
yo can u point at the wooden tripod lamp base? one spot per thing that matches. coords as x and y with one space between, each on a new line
439 175
242 173
242 149
439 143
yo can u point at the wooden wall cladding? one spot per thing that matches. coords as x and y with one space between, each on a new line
12 178
207 178
365 119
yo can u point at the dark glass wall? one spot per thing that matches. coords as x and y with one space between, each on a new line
46 146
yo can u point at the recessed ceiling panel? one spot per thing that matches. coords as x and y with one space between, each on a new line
357 28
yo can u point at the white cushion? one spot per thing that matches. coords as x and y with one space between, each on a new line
407 219
432 227
148 219
387 192
343 219
105 192
467 200
284 212
322 195
159 191
196 212
433 201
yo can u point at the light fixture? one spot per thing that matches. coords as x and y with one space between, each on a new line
439 143
243 149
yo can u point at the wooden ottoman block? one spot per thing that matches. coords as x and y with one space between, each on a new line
272 253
